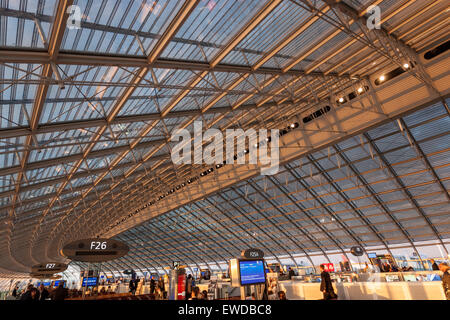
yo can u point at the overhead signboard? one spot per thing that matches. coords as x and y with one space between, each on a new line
38 275
175 264
128 271
95 250
252 254
49 268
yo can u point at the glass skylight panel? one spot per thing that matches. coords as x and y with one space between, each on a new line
436 146
425 114
90 104
21 32
306 39
8 158
7 182
214 22
283 20
417 178
330 46
142 105
420 189
109 26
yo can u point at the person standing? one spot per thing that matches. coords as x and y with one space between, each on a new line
434 265
445 279
43 292
60 293
152 285
189 286
14 293
26 296
195 294
132 287
291 273
281 295
271 295
366 268
326 285
35 294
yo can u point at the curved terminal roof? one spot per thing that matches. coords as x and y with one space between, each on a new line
87 111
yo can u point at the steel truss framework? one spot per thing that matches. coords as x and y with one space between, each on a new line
379 189
87 114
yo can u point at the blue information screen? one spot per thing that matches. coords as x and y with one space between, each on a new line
252 272
372 255
89 281
46 284
56 283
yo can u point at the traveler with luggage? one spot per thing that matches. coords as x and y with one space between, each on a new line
326 285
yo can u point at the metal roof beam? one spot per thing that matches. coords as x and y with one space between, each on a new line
89 123
64 58
54 41
74 157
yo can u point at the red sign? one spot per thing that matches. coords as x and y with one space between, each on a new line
181 287
329 267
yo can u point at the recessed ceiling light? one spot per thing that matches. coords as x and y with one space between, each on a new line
406 66
360 89
382 78
341 100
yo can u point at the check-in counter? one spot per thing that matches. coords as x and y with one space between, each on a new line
112 289
402 290
122 288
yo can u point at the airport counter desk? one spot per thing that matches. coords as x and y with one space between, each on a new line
418 285
380 286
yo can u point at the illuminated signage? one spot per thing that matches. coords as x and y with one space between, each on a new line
95 250
252 254
328 267
49 268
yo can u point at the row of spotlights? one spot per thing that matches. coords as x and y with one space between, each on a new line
352 95
268 139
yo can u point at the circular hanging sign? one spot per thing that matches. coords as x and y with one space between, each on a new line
357 251
95 250
49 268
128 271
252 254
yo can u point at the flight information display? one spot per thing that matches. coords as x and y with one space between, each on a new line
89 281
252 272
56 283
46 284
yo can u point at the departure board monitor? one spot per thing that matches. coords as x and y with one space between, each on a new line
252 272
89 281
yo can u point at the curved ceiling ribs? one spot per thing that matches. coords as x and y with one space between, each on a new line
238 82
